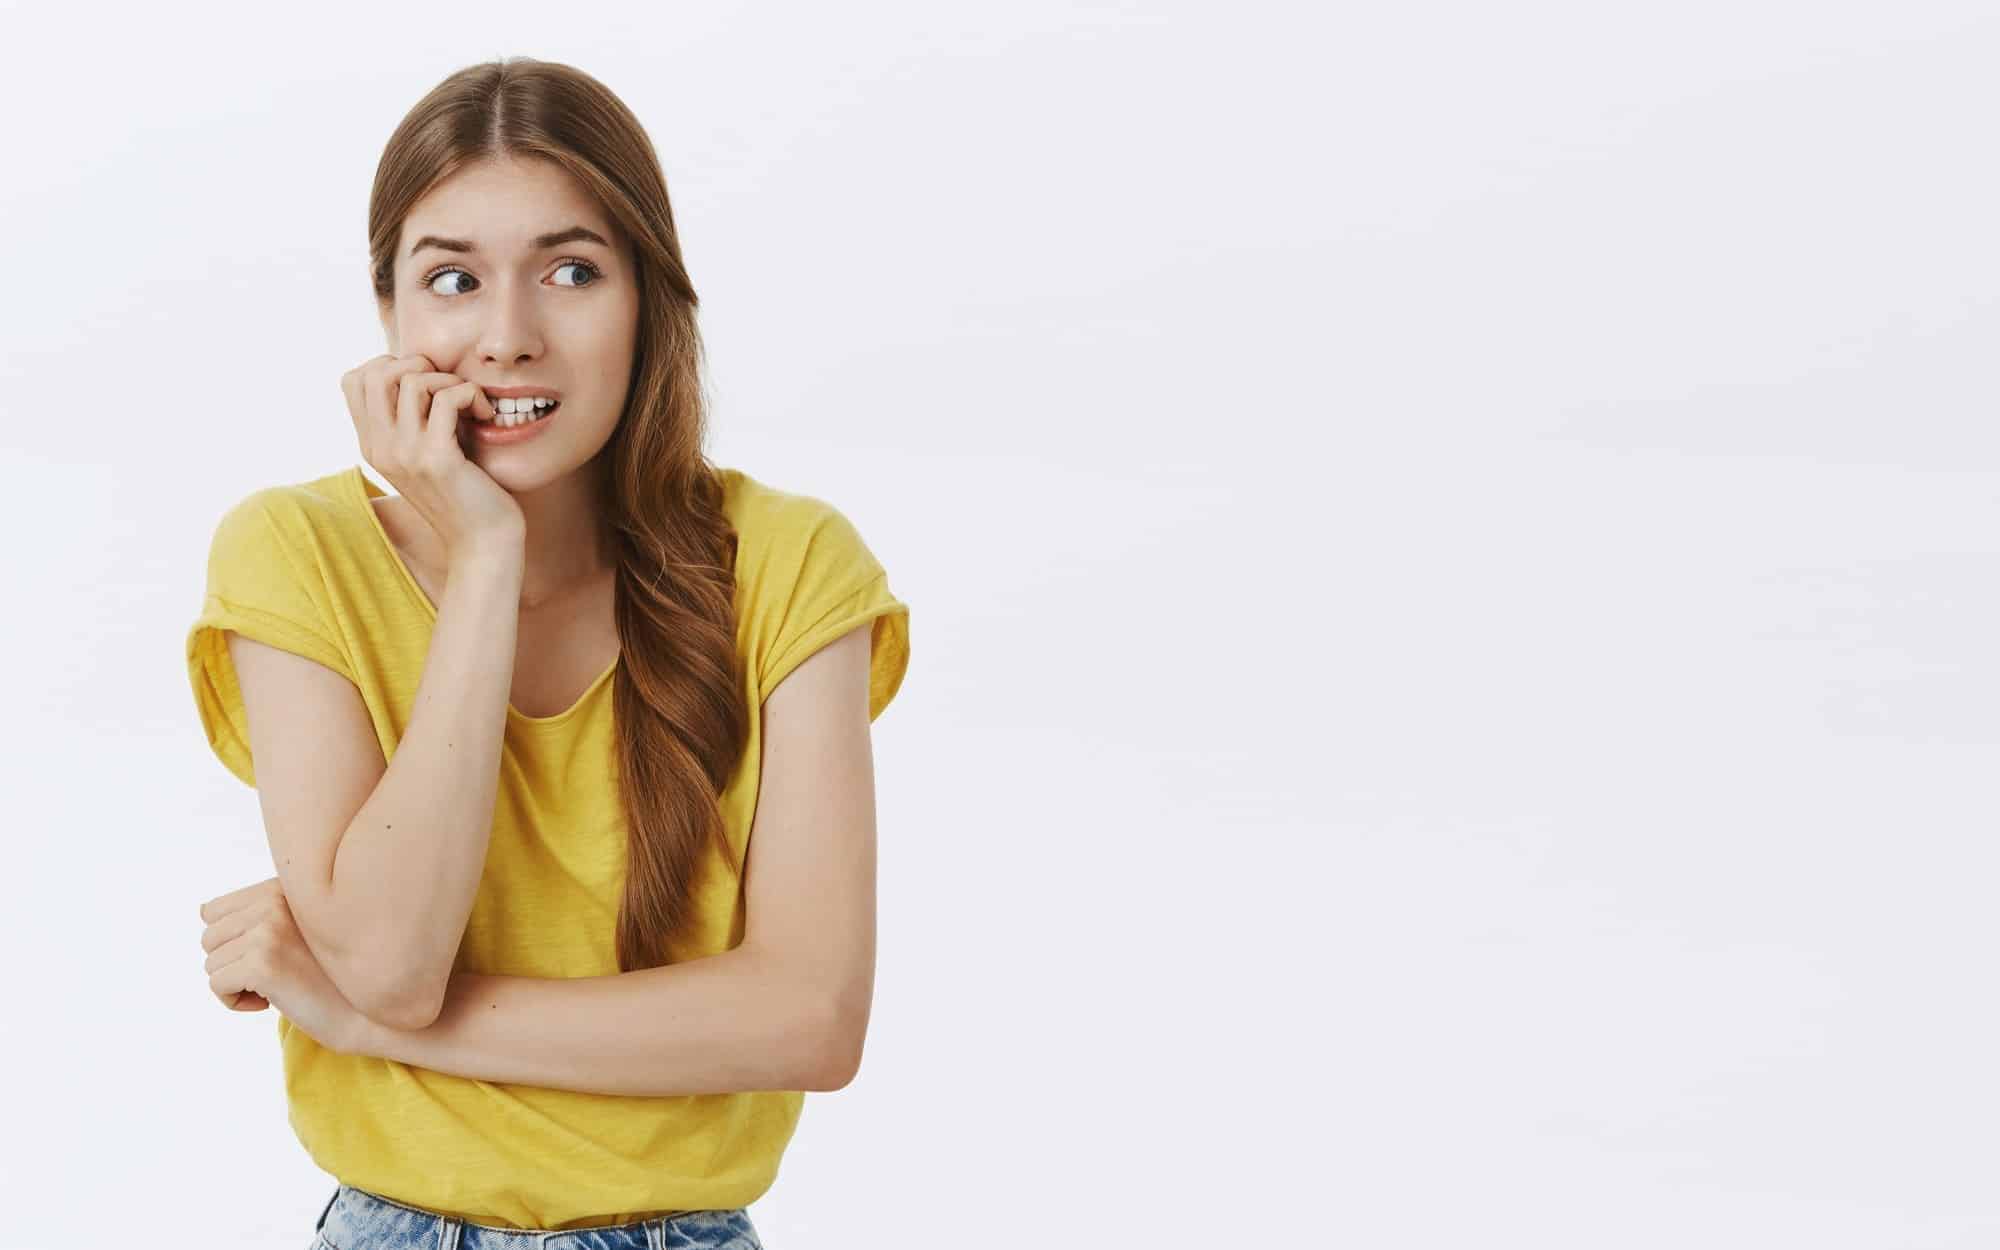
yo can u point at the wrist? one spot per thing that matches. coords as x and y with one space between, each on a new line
501 550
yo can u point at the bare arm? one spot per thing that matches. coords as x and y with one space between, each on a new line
409 863
787 1009
723 1024
380 863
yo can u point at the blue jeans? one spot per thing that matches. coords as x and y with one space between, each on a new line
355 1219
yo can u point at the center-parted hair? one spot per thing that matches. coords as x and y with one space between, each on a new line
682 723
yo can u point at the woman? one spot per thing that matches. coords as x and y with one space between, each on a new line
574 900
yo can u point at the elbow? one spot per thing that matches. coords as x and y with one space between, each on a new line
403 1013
837 1072
395 1002
838 1053
378 980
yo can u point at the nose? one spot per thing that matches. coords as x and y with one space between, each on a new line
510 333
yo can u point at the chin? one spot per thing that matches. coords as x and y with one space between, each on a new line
523 471
514 477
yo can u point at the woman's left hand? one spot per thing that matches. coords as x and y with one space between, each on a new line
257 958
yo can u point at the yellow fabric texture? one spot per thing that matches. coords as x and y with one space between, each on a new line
307 567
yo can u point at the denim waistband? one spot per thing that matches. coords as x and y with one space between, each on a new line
355 1219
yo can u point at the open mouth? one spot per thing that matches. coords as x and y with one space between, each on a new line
511 420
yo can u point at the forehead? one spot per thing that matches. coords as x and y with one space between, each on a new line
501 203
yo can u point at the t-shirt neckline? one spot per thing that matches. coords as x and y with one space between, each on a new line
366 490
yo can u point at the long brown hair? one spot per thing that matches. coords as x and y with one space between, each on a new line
682 722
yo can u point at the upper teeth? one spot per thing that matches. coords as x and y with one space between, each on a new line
515 411
521 405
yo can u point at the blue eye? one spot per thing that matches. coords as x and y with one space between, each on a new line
435 274
594 272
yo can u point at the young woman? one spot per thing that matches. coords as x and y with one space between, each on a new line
563 748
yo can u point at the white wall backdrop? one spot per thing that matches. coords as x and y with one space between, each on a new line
1453 568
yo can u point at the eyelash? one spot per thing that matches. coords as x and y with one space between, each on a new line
424 283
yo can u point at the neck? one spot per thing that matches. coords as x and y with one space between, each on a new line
566 545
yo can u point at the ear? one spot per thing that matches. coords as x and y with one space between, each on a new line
387 316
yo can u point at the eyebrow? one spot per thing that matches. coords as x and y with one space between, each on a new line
541 242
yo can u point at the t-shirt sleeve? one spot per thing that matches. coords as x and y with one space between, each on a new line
263 586
822 582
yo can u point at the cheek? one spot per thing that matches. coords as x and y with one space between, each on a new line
434 338
609 324
616 320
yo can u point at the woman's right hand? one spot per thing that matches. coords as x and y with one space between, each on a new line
406 415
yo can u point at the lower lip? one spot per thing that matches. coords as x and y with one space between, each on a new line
493 434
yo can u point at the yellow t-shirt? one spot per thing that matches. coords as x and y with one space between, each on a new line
307 567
